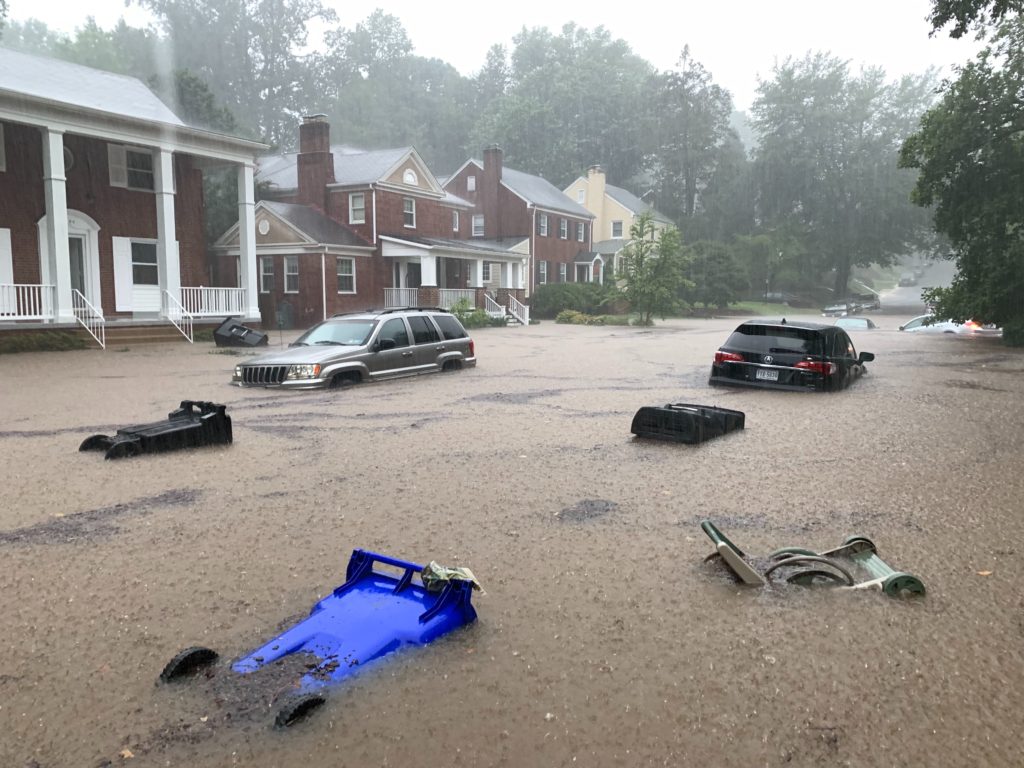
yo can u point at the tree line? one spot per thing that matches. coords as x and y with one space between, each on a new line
819 190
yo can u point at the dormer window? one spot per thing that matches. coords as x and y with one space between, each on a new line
410 178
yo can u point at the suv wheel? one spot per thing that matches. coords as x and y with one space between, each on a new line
345 379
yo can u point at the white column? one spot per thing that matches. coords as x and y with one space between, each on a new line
428 271
476 273
506 274
168 265
247 241
55 192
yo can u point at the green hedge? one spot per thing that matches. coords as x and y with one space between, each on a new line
589 298
46 341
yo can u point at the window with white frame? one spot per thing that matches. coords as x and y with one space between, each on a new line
581 195
144 268
581 231
542 272
616 229
410 178
130 167
3 152
563 229
291 274
346 275
562 272
455 221
356 208
409 212
486 277
471 183
478 225
266 274
542 225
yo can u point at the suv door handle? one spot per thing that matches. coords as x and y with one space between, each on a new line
442 348
407 354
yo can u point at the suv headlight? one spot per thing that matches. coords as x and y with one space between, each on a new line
238 372
303 371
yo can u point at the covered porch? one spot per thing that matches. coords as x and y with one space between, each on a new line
442 273
97 237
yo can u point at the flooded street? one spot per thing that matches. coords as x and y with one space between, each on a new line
602 640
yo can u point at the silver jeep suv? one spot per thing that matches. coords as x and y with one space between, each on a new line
364 346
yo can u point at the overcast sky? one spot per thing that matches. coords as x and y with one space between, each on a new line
737 41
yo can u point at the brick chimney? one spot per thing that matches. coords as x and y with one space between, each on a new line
315 163
489 199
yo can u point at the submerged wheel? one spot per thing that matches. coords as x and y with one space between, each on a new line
345 379
296 708
451 365
186 662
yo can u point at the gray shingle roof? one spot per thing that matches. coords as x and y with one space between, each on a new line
541 192
351 166
607 247
483 247
311 222
80 86
634 203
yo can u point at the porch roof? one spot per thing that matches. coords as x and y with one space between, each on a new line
407 245
315 225
609 247
588 257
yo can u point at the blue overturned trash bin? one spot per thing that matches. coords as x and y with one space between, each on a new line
371 615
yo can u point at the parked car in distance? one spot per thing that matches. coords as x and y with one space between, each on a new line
856 323
928 324
788 355
364 346
907 279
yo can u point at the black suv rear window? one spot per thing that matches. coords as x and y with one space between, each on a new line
450 327
422 331
763 339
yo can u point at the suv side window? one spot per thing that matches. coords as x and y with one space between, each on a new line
842 345
394 329
450 327
422 330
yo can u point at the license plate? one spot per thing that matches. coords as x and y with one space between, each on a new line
766 374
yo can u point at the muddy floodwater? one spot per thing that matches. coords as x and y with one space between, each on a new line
602 640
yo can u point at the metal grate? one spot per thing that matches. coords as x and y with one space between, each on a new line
264 374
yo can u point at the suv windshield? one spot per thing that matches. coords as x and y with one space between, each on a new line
347 333
763 339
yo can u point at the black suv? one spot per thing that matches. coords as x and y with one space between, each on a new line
788 355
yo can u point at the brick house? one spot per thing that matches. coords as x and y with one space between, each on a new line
509 205
101 203
615 211
342 229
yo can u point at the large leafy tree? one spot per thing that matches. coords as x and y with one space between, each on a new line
970 153
966 14
652 267
249 51
827 161
717 278
570 101
691 125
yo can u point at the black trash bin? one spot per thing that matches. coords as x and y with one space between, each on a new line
232 333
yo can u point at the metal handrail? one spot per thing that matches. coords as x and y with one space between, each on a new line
519 311
493 308
89 317
180 317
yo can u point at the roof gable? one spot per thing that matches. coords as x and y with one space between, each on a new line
293 224
634 204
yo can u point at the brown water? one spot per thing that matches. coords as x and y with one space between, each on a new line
602 639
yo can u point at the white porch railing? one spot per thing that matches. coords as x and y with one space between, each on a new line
178 315
202 302
89 317
401 297
493 308
25 301
449 296
519 311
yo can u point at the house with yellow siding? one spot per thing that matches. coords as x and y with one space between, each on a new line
615 210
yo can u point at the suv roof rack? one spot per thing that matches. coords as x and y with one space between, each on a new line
391 310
